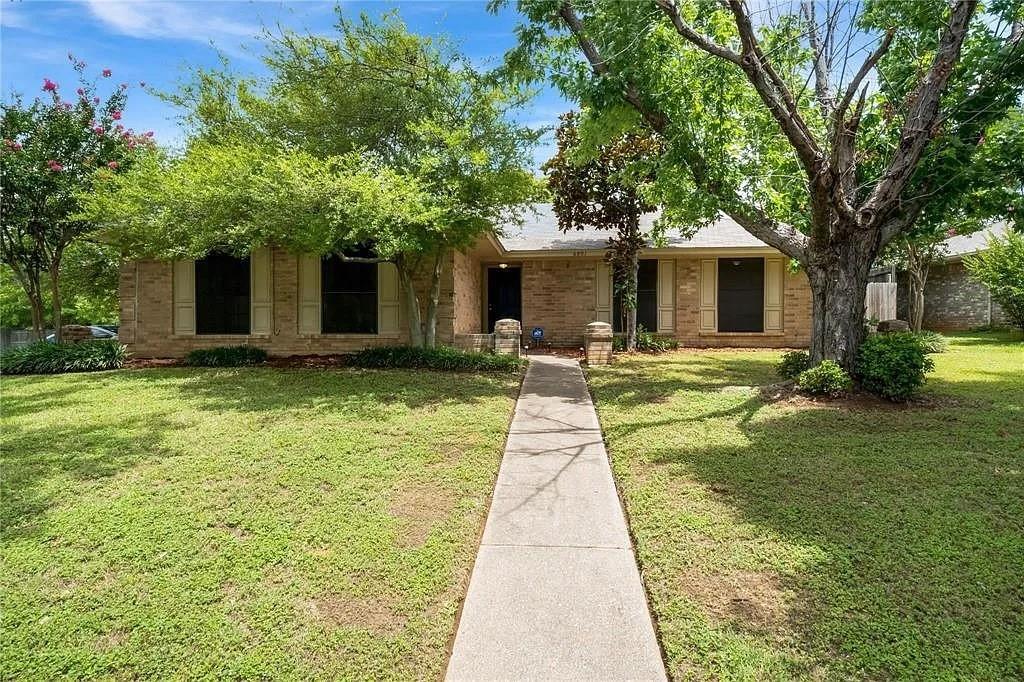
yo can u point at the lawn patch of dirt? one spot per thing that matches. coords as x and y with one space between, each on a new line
347 611
788 394
755 600
419 506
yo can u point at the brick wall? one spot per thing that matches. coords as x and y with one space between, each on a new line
559 295
147 326
954 301
467 288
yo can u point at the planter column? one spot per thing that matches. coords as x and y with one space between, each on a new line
597 341
508 337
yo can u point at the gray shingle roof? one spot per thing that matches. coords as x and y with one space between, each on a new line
961 245
539 232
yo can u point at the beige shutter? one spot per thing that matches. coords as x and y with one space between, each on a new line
260 292
666 296
183 278
774 284
603 288
387 298
708 295
309 294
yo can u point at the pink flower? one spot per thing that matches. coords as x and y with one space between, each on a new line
98 130
116 115
54 166
112 165
49 85
106 73
951 232
11 144
80 92
149 133
66 105
95 100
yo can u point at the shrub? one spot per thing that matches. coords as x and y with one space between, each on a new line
827 378
933 342
226 356
793 363
1000 267
56 358
442 358
893 365
646 342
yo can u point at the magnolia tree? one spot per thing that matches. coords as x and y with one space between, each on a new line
372 138
54 151
813 125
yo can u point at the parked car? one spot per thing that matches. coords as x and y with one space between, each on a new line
98 333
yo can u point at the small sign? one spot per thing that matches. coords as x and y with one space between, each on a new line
537 333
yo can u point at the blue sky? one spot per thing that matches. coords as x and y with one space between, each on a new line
154 41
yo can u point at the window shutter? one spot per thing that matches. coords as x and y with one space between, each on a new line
387 299
183 278
260 292
774 285
309 294
666 296
603 287
708 295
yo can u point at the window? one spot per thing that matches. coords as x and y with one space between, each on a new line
646 298
348 296
741 294
222 294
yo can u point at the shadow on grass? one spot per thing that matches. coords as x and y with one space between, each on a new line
916 513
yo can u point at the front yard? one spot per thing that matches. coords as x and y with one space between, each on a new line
242 523
800 540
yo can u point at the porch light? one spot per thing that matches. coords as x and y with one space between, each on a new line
502 265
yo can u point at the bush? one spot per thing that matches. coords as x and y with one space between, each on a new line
933 342
793 363
226 356
1000 267
442 358
56 358
893 365
646 342
828 378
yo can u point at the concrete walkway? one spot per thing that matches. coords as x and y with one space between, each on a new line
555 592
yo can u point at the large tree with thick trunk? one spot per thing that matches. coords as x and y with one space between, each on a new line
809 124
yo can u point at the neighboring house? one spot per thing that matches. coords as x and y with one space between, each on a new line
953 301
722 287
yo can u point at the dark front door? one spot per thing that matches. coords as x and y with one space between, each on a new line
504 296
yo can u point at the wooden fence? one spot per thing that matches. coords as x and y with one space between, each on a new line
881 301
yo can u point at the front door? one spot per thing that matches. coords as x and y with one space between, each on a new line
504 296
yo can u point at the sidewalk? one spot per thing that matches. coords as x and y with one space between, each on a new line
555 592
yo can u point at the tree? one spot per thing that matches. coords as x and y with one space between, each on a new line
767 116
598 191
377 138
1000 267
53 152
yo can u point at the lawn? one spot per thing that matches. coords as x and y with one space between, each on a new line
782 541
242 523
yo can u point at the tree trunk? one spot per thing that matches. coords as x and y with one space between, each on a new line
430 337
629 300
35 301
56 303
31 284
917 277
412 302
839 280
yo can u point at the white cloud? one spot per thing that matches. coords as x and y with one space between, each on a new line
177 20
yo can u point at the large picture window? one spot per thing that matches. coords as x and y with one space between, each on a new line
348 297
741 294
646 298
222 294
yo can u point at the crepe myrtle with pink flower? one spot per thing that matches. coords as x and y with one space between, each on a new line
54 151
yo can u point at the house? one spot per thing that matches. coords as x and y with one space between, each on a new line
722 287
953 301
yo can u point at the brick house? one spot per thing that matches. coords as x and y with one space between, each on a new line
722 287
953 301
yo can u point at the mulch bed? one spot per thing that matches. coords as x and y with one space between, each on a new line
787 393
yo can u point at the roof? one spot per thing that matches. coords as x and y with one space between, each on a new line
539 232
962 245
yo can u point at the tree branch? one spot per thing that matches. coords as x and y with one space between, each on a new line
854 85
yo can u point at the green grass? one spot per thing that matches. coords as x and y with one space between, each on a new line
807 541
242 522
